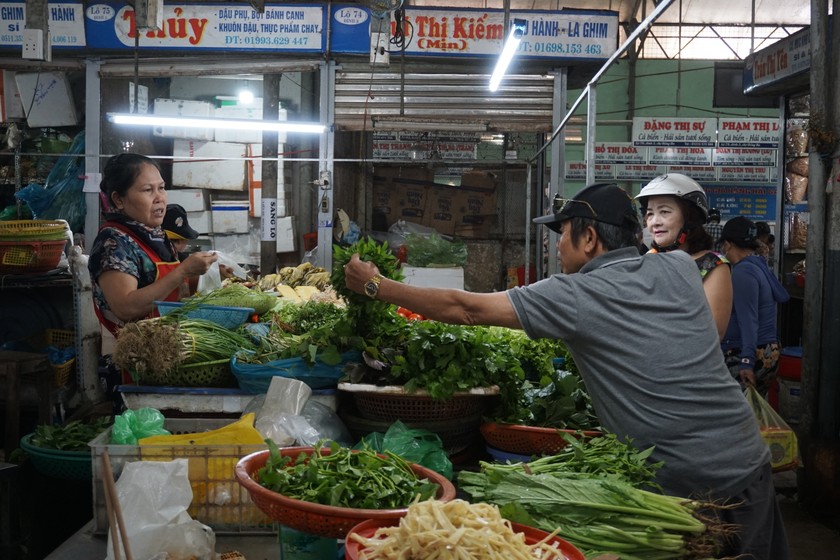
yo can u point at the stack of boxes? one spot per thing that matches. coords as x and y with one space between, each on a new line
410 194
206 161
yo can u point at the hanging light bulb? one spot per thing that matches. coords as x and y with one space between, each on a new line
417 151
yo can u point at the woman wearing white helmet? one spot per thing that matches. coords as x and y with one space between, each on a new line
675 209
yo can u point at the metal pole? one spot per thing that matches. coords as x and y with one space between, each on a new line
591 110
557 183
326 157
270 143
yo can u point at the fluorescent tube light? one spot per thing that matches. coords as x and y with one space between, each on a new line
517 30
231 124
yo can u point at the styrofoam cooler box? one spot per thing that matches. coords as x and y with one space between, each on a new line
192 200
183 108
202 222
789 400
209 165
255 150
286 234
252 112
443 277
229 216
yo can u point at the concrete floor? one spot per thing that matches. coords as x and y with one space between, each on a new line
811 537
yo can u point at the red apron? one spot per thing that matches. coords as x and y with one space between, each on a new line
163 268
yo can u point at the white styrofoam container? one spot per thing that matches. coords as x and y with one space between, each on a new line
192 200
255 150
202 222
229 216
283 207
253 112
208 165
11 107
443 277
286 238
183 108
53 105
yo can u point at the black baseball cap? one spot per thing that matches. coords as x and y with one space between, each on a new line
741 231
603 202
175 223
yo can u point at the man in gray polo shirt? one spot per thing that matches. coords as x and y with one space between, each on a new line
643 338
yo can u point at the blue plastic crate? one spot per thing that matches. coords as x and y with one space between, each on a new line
255 378
228 317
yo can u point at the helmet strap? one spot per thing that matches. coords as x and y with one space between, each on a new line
673 246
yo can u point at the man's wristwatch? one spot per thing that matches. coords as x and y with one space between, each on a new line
372 286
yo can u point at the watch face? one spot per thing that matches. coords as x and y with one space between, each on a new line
371 288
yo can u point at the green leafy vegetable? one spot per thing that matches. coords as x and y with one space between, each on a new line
72 436
344 478
599 515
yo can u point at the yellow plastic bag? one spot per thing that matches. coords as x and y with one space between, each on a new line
776 433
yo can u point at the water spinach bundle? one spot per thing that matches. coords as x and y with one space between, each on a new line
599 515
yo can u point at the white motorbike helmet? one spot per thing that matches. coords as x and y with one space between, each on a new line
679 186
676 184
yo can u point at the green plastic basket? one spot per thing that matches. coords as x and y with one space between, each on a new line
66 465
214 373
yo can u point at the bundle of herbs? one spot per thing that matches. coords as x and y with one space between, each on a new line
306 330
162 344
72 436
599 515
344 478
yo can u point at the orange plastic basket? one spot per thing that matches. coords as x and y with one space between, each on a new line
30 257
528 440
317 519
390 403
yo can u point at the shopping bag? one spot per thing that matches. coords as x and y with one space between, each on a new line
776 433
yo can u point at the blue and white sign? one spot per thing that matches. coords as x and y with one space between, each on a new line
66 21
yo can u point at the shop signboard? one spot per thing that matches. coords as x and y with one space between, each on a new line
762 157
66 24
619 152
445 146
674 131
756 202
699 174
576 171
638 172
280 27
672 155
780 61
749 133
743 174
558 35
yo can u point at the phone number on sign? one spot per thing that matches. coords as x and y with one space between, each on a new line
563 48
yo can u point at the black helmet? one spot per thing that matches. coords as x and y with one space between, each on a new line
714 214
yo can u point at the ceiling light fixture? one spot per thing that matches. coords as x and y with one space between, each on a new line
517 30
230 124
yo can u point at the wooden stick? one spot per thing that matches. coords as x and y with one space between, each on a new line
110 486
112 518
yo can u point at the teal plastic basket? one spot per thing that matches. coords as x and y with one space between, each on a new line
228 317
66 465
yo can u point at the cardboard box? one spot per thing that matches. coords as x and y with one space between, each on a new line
183 108
410 175
475 226
192 200
443 212
209 165
202 222
401 201
444 277
230 216
479 180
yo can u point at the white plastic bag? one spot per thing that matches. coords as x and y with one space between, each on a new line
278 417
154 497
212 279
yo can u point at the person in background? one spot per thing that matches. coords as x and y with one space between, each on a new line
751 345
766 242
177 228
675 210
644 340
132 263
714 228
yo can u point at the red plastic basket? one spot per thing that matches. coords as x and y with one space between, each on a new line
317 519
368 528
528 440
30 257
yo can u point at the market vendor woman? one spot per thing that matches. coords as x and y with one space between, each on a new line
132 263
